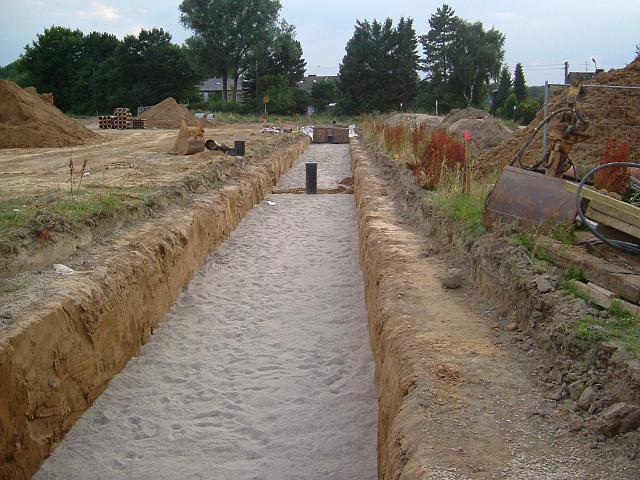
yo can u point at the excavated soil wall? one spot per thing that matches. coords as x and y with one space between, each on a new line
56 360
501 272
392 332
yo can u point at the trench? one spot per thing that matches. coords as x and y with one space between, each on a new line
262 369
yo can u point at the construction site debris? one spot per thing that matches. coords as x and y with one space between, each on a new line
190 140
26 120
169 113
121 120
332 134
612 113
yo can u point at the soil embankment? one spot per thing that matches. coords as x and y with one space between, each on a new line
27 120
59 355
459 396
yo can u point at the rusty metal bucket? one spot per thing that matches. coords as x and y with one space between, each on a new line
530 198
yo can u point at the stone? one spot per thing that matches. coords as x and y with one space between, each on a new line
512 327
618 418
543 285
453 278
587 397
575 389
580 304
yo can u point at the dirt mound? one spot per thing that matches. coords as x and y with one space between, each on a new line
169 113
26 120
612 113
413 120
486 131
458 114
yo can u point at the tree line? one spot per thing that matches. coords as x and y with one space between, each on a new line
381 65
96 72
232 39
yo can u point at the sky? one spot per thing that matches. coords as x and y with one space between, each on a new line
540 34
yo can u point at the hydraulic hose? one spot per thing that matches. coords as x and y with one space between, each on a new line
626 246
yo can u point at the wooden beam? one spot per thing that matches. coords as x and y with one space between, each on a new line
613 222
600 198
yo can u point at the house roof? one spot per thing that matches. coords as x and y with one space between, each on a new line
309 80
214 84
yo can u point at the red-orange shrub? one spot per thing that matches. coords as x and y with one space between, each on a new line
614 179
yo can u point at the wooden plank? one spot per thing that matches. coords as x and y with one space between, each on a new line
615 213
600 198
594 294
613 222
603 297
614 278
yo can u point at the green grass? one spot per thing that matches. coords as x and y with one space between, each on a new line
22 218
530 241
316 119
621 327
565 233
464 209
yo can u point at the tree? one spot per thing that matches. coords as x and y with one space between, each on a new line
52 61
637 51
438 45
364 76
281 97
228 30
461 59
379 70
476 58
323 92
405 63
149 68
94 79
15 72
519 83
504 89
281 56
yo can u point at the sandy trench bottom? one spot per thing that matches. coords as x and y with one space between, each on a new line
262 369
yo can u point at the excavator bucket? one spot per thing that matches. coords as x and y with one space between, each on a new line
530 198
186 145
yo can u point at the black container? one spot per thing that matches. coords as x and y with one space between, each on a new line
311 177
240 147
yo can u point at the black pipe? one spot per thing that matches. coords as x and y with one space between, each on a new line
311 177
626 246
240 147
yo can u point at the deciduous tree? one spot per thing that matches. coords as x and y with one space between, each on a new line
228 30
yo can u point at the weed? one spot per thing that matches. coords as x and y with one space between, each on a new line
624 329
574 272
565 233
525 239
23 218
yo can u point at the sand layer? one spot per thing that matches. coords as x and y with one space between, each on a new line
262 369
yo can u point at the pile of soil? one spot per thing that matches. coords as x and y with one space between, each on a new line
612 113
486 131
26 120
413 120
169 113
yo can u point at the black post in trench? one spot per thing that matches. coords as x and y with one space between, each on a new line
311 177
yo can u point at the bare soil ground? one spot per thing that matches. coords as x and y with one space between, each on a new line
128 158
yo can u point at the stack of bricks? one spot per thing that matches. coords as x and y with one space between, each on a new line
121 119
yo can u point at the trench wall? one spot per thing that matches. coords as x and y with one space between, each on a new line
387 258
57 359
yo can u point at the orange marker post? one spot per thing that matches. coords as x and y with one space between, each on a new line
466 187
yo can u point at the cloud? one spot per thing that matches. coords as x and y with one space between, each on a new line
100 11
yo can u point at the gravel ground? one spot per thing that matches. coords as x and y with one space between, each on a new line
262 370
